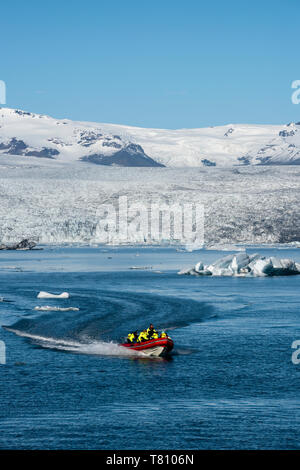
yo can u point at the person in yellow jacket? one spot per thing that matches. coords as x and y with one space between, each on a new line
151 332
163 335
143 336
132 337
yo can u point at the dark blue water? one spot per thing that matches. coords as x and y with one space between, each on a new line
230 383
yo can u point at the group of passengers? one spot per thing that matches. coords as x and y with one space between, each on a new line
145 335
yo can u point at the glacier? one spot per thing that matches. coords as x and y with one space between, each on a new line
54 202
242 265
55 175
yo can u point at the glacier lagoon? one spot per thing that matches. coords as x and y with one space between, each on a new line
230 383
67 384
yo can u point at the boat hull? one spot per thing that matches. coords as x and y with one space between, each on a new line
153 347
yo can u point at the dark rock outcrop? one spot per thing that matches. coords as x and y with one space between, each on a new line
44 153
208 162
285 133
22 245
18 147
131 155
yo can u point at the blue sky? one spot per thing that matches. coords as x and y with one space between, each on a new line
169 64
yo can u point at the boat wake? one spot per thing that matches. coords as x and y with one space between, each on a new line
97 348
101 319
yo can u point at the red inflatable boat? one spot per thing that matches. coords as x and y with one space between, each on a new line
152 347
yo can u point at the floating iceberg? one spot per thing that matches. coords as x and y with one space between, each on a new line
242 264
47 295
141 267
48 308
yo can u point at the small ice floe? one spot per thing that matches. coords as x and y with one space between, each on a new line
140 267
242 264
47 295
14 268
2 299
225 247
195 245
48 308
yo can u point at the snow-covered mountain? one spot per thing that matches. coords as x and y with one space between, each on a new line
35 135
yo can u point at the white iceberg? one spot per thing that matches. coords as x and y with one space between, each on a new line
47 308
141 267
47 295
199 267
242 264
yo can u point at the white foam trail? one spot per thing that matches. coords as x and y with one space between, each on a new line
48 308
98 348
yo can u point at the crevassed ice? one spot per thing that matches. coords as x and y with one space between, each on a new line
60 205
